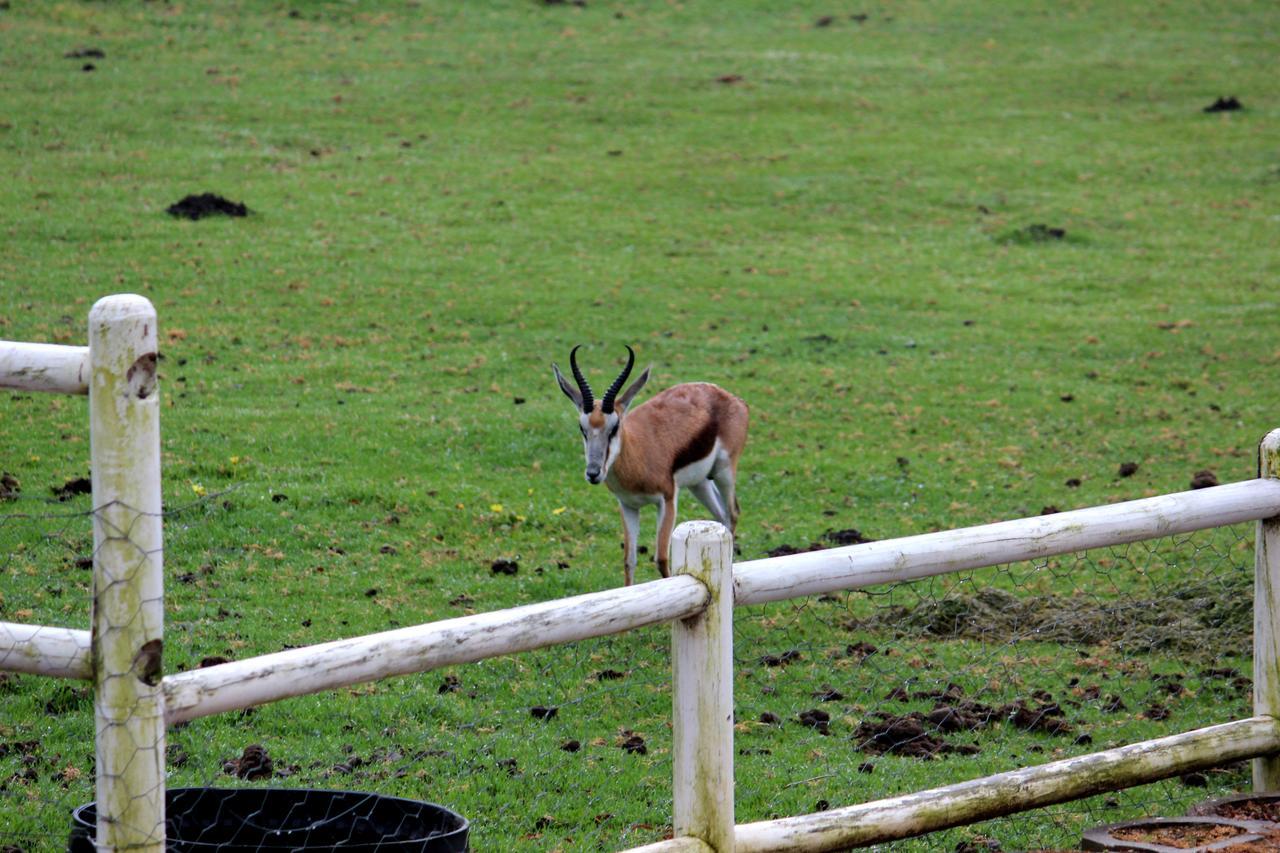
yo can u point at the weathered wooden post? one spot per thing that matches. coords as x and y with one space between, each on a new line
702 689
128 606
1266 617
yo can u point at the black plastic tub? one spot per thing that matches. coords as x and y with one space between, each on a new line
276 819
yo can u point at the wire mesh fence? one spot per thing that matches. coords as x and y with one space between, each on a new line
839 699
536 743
46 725
567 746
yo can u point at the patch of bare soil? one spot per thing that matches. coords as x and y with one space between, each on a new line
1204 479
1046 717
206 204
911 735
254 763
504 567
1228 104
1037 232
817 719
72 487
789 656
1198 619
830 539
634 744
919 734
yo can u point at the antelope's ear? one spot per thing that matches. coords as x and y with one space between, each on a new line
628 395
569 391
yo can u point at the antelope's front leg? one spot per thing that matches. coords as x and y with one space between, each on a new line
630 532
666 520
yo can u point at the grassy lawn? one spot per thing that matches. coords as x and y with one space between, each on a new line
962 260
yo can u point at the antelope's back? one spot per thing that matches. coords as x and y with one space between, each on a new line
703 411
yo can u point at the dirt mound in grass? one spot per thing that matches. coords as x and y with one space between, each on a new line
1225 105
1198 619
907 735
919 734
206 204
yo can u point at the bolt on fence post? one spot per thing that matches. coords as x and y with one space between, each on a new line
1266 617
702 689
128 605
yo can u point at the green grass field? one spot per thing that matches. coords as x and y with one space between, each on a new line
848 223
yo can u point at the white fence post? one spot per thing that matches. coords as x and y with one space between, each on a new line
1266 617
128 606
702 690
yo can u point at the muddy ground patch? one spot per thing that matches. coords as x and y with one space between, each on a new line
1197 619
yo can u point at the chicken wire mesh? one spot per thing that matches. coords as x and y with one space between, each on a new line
557 747
529 741
839 699
46 724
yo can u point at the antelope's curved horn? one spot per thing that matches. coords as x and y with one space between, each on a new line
588 402
606 403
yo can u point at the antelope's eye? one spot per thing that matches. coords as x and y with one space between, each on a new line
582 430
614 430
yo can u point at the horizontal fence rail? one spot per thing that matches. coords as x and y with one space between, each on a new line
63 652
327 666
929 554
44 367
45 650
466 639
1015 791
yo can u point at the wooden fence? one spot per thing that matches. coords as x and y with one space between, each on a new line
122 653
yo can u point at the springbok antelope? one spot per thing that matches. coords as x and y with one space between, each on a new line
690 435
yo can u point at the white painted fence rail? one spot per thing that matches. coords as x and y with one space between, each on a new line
45 650
134 703
44 367
466 639
1016 791
915 557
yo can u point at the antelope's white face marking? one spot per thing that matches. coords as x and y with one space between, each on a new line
601 442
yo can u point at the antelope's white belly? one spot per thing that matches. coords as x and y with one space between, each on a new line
695 472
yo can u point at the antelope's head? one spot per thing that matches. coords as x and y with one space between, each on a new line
600 421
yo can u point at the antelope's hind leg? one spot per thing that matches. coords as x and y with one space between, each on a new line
725 476
709 496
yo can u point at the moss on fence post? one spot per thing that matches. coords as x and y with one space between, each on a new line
128 606
1266 613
